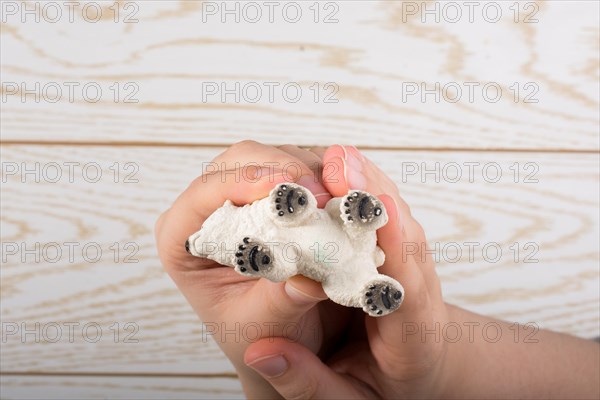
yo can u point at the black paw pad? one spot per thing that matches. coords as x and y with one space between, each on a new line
252 258
289 200
362 208
381 299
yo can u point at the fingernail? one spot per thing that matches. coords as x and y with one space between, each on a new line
299 296
312 183
270 366
353 158
326 194
338 150
353 173
399 221
396 210
355 152
353 168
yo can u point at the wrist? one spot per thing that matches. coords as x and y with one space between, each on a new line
457 358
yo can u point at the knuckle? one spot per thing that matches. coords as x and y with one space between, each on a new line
402 203
159 222
235 150
287 146
392 185
203 184
308 390
422 299
317 148
415 231
243 145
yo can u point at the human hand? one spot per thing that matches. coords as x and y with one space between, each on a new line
227 300
376 359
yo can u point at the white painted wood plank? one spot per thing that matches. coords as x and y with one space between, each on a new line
372 53
114 387
559 214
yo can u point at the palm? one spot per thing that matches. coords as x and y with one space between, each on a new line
226 297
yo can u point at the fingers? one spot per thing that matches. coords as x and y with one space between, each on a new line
315 164
319 151
343 170
396 338
249 153
312 160
419 279
354 163
403 241
400 266
349 163
347 168
284 302
304 290
296 373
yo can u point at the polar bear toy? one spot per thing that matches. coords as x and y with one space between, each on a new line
285 234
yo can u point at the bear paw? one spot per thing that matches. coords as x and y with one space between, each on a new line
362 209
381 297
291 203
252 258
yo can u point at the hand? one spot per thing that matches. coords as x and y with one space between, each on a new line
222 298
375 360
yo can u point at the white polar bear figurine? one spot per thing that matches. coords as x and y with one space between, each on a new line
285 234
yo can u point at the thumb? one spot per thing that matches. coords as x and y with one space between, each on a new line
288 301
295 372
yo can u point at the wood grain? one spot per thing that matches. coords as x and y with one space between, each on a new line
370 53
118 387
559 214
161 134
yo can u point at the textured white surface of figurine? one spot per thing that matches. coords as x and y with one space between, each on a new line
285 234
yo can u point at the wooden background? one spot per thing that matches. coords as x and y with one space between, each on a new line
372 49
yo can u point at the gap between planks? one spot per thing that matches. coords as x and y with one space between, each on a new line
222 145
119 374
